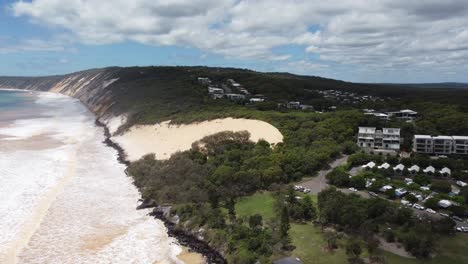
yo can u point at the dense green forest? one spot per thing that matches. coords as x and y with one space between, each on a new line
152 94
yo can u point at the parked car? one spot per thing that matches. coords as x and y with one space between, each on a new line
418 206
456 218
352 189
306 190
430 211
444 214
373 194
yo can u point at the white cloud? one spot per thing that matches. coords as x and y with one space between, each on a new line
364 33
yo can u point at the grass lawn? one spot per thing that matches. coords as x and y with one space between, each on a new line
309 246
259 203
452 250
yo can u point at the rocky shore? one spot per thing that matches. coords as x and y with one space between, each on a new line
184 237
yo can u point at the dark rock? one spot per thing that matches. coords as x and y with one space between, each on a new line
186 239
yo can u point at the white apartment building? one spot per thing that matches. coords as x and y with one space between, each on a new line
387 138
443 145
423 144
461 145
440 145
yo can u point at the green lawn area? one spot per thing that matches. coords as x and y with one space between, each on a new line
309 246
259 203
452 250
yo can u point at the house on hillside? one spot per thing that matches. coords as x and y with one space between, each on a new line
235 97
406 114
204 80
293 105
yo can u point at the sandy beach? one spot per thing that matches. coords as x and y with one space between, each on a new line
164 139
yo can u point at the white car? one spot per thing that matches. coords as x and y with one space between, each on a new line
444 214
430 211
419 207
352 189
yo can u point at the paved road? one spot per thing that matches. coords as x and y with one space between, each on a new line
319 182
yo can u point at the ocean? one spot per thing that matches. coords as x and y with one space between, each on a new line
64 198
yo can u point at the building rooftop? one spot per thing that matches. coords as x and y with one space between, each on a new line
460 137
443 137
422 136
395 131
409 111
367 130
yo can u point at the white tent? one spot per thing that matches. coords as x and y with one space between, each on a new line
399 167
429 169
414 169
445 171
384 166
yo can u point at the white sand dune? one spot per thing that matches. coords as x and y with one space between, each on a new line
164 139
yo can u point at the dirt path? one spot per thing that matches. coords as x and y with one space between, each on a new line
319 182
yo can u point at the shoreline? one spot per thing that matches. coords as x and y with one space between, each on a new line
183 237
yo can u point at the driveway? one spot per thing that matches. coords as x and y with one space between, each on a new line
319 182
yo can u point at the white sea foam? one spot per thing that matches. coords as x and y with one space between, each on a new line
74 203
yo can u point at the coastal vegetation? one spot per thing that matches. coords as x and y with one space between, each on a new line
235 194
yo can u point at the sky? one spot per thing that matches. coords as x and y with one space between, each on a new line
397 41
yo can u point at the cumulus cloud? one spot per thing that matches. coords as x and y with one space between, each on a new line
365 33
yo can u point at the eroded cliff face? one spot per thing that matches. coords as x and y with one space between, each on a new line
91 87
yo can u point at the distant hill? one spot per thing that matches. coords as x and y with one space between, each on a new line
150 94
445 85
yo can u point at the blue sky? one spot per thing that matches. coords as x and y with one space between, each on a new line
353 40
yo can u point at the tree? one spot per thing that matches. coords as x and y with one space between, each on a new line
411 198
421 179
358 182
464 193
338 177
441 186
255 221
372 244
284 227
308 208
432 203
353 249
331 238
